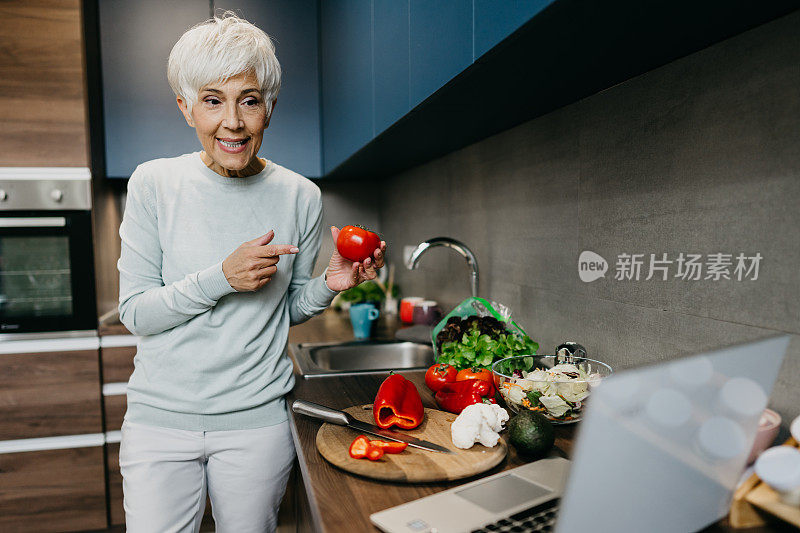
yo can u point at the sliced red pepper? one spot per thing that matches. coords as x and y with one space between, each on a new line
389 447
398 404
374 453
360 447
454 397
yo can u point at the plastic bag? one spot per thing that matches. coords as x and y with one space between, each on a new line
477 307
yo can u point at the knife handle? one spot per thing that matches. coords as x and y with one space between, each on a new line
315 410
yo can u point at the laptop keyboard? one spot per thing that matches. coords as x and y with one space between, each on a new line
539 518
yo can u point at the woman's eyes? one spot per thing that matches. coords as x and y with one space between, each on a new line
249 102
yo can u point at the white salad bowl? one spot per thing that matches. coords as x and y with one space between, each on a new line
555 386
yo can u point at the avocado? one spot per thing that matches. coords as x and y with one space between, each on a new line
531 433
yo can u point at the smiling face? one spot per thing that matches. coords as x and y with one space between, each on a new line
230 118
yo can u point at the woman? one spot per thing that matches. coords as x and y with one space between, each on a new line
218 248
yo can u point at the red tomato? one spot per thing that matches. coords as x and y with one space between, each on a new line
438 375
356 243
475 373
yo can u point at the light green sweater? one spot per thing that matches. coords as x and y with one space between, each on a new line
211 358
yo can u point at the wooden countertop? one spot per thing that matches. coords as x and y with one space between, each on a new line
342 502
339 501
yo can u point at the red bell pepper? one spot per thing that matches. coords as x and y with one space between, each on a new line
374 452
359 447
454 397
389 447
398 404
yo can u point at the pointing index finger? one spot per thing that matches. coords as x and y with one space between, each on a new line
273 250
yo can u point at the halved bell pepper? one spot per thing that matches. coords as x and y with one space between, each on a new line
398 404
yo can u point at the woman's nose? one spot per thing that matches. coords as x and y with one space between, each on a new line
232 120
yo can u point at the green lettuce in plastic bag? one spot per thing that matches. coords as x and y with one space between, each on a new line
477 333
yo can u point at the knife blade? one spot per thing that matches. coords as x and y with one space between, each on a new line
340 418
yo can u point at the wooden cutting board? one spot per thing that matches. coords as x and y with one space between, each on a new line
412 465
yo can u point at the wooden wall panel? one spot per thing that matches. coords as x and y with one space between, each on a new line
52 490
43 109
49 394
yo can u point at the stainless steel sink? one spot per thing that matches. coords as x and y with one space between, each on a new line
349 358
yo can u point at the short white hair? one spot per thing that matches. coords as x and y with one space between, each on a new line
219 49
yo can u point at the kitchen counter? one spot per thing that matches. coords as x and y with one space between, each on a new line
339 501
331 500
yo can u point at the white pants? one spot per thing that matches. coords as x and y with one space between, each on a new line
166 473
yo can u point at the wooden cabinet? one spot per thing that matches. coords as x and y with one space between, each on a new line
42 82
49 394
52 490
347 103
51 440
117 353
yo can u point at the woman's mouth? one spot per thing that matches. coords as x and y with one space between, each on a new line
233 146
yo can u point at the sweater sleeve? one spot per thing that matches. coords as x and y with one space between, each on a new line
146 305
307 296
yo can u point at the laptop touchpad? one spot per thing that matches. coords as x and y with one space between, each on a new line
503 493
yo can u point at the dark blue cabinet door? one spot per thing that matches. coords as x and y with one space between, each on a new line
347 103
390 57
142 120
441 44
293 136
497 19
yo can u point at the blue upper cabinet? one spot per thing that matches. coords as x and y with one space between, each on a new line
293 136
494 21
390 58
142 120
441 44
347 101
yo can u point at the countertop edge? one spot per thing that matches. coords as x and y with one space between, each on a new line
304 474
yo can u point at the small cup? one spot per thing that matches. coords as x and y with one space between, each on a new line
407 308
362 317
426 313
768 427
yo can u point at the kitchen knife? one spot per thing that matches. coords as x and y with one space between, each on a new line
340 418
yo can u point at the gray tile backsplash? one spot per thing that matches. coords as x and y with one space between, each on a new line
699 156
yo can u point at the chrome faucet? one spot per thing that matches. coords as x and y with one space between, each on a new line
453 244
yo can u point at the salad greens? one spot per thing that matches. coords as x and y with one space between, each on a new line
476 349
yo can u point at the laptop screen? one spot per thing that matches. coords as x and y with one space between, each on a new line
661 448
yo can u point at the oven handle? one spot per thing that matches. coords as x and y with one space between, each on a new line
32 222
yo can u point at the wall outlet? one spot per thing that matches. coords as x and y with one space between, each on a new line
407 251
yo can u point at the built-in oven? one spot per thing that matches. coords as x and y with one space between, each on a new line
46 261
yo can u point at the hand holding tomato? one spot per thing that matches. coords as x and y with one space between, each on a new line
344 273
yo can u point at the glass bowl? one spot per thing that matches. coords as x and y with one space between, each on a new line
555 386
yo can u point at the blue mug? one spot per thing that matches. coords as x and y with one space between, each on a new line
362 316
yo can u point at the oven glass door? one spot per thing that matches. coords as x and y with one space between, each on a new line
46 271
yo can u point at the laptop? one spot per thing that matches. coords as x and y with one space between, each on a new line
661 449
